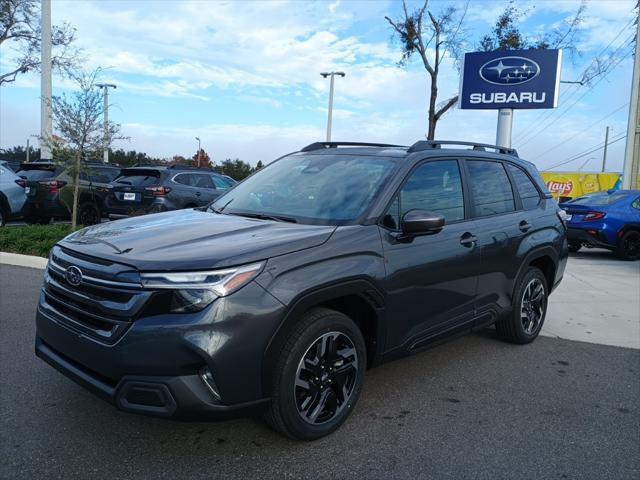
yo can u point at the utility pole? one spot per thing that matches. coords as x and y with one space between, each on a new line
631 169
105 109
27 150
46 127
606 145
330 114
505 125
199 149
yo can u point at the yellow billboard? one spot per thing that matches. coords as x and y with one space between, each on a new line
563 185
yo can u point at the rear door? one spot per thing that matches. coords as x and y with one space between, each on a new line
431 280
501 227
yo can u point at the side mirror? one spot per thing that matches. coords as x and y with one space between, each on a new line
421 222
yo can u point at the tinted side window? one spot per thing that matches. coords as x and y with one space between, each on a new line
528 192
491 188
220 184
202 180
435 187
184 179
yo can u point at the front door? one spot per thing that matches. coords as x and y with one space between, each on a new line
431 279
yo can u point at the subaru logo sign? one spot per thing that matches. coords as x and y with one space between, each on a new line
509 70
73 275
522 79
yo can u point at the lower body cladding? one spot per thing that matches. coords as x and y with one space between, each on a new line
121 209
204 365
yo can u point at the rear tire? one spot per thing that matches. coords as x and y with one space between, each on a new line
525 321
629 246
3 215
88 214
574 247
319 376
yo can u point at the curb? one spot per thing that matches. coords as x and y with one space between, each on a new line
18 260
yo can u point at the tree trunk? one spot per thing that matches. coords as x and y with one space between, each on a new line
76 189
431 134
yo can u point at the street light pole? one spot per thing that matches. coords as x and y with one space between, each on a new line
46 125
330 114
199 149
105 96
606 145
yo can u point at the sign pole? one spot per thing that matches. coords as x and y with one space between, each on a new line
505 124
631 168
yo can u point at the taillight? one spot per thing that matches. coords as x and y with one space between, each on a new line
590 216
158 191
53 185
21 182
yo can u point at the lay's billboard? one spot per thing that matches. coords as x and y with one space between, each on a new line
563 185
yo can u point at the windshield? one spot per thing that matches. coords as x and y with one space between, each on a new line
310 188
600 198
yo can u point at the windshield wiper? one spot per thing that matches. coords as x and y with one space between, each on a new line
266 216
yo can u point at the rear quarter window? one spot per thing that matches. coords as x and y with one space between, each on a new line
526 189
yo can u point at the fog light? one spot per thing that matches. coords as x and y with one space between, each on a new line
207 379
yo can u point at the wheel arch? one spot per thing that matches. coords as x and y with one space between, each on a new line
359 299
546 259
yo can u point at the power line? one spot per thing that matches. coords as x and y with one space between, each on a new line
581 131
550 112
568 109
587 152
531 134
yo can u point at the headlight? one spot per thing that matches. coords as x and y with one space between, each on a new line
219 282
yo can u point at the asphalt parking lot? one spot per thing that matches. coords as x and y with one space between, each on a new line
472 408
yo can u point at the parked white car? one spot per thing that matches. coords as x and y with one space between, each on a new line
12 194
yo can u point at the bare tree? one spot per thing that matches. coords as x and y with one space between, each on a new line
20 31
79 124
433 37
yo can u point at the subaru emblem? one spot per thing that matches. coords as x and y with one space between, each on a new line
509 70
73 275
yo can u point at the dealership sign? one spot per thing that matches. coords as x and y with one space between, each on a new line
511 79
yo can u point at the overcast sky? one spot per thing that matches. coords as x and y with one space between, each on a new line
244 77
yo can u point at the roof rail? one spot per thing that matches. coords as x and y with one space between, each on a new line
177 166
431 144
322 145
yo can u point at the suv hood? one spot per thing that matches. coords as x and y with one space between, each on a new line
193 240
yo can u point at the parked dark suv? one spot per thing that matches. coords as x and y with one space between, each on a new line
42 188
288 287
152 189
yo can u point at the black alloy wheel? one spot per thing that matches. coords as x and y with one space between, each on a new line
326 378
529 308
319 375
629 246
532 306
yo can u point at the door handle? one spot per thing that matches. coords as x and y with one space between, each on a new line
468 240
524 226
198 194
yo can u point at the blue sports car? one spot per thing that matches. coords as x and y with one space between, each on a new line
605 219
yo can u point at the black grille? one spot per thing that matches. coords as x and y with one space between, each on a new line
103 305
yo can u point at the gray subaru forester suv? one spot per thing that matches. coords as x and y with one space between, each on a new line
289 286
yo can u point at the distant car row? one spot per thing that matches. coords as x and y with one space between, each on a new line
42 191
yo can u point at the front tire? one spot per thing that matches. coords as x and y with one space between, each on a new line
319 376
529 309
629 246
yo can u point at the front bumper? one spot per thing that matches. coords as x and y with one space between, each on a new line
183 396
153 368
